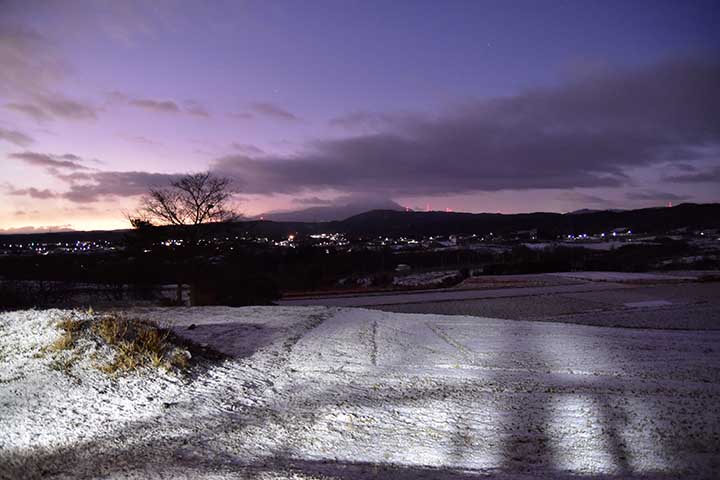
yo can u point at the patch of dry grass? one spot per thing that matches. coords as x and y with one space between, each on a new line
138 344
134 343
64 364
111 329
71 328
70 324
66 341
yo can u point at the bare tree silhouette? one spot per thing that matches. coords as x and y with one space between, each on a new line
193 200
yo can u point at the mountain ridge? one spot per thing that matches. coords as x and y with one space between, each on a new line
394 222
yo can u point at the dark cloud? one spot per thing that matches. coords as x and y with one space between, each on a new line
246 148
32 192
50 106
191 107
30 110
313 201
163 106
337 209
241 116
653 195
60 106
368 120
72 177
271 110
15 137
140 139
685 167
589 133
67 161
92 187
84 208
23 213
708 176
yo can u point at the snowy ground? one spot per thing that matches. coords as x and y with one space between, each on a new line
624 276
613 299
426 279
317 392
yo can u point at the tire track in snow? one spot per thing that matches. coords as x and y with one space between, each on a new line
373 352
467 354
252 381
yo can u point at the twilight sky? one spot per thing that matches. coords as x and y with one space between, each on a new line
499 106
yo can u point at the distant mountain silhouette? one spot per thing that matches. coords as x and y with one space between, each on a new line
331 213
583 211
654 220
26 230
394 222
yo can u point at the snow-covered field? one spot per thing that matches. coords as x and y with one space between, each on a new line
316 392
624 276
424 279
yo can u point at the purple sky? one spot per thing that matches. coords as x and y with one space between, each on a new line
501 106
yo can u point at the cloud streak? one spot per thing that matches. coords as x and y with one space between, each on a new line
67 161
85 184
51 106
271 110
58 105
708 176
96 186
655 196
246 148
32 111
15 137
165 106
313 201
162 106
32 192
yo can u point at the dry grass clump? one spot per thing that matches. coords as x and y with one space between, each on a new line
64 347
71 328
70 324
111 329
65 342
134 343
139 343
